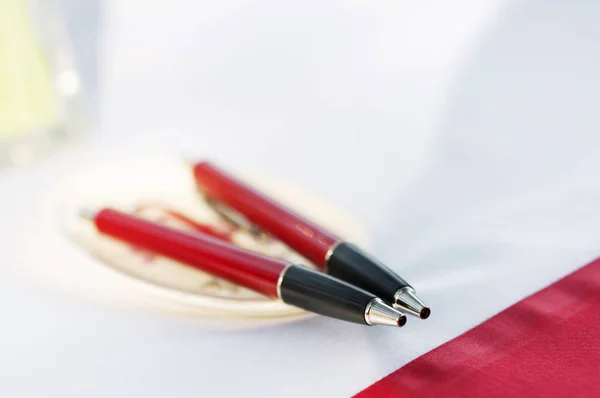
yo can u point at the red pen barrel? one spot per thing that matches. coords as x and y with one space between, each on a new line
292 229
245 268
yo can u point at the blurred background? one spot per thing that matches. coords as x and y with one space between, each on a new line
463 135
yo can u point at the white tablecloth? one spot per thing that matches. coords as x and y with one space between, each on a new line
464 135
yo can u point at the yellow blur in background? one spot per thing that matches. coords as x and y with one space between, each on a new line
27 99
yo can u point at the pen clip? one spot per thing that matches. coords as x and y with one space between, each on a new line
232 217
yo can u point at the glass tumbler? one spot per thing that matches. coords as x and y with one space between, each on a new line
39 84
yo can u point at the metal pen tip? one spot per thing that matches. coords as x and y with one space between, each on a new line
187 161
87 213
401 321
406 299
379 313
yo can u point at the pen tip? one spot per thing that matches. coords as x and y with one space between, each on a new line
401 321
187 161
379 313
407 300
87 214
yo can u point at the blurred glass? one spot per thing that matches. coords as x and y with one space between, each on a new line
39 84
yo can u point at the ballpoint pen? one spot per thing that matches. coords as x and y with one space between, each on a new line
295 285
336 257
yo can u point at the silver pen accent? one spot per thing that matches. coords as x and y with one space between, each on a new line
280 280
87 214
330 253
406 299
379 313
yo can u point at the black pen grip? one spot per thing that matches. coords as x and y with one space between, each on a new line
348 263
322 294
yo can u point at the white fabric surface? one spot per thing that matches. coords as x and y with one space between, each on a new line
465 136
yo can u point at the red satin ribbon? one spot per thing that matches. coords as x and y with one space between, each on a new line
547 345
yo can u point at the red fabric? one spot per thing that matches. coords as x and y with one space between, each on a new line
547 345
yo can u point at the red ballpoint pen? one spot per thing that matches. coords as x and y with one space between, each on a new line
337 258
293 284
